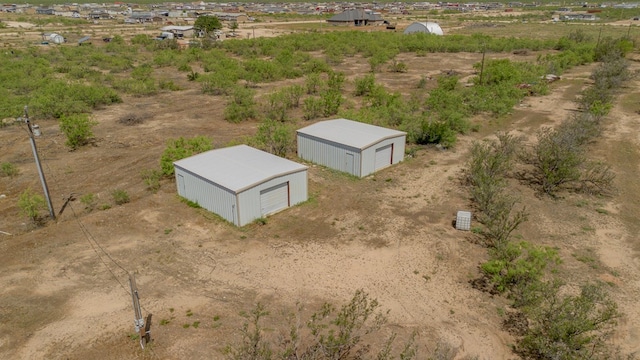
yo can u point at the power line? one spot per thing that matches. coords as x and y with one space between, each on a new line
140 325
95 245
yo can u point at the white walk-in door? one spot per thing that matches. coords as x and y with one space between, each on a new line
274 199
348 163
383 156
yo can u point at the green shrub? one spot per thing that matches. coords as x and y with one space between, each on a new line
335 82
31 205
433 132
398 66
330 333
277 106
217 83
275 137
182 148
516 267
242 105
312 108
557 157
89 201
136 87
331 101
569 326
169 85
140 39
120 196
193 75
611 49
142 72
9 169
312 83
365 85
78 129
152 179
294 93
488 165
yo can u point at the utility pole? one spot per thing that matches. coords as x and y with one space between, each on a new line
32 136
143 330
484 50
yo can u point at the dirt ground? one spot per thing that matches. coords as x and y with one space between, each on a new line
64 287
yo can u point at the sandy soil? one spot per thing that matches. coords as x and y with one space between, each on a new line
64 290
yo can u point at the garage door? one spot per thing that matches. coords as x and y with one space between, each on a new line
383 156
274 199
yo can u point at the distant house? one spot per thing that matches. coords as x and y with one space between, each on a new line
179 31
578 17
99 15
10 8
45 11
231 17
357 17
141 16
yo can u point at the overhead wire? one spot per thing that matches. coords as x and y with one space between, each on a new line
95 244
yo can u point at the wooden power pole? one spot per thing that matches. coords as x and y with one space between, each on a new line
32 139
143 330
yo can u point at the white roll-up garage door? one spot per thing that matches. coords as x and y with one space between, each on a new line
383 156
274 199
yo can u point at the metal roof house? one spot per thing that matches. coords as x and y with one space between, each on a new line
357 17
241 183
353 147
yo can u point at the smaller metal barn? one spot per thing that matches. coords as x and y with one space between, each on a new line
241 183
356 148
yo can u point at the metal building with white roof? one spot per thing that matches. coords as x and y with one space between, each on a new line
356 148
241 183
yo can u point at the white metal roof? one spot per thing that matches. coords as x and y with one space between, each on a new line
351 133
238 167
176 28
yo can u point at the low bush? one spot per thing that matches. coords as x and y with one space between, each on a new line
556 158
518 268
312 108
78 130
275 137
365 85
151 178
242 105
433 132
331 101
488 165
120 197
569 326
8 169
89 201
181 148
312 83
31 205
330 333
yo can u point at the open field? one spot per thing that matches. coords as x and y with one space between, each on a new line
64 291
